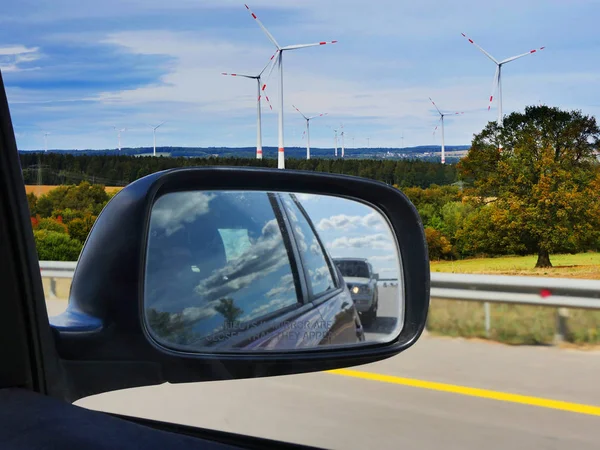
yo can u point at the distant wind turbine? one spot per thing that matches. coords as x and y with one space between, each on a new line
308 119
119 131
498 76
46 142
154 135
442 115
343 141
258 78
278 60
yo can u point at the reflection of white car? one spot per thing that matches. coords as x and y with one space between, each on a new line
362 283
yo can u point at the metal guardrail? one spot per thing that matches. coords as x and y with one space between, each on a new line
560 293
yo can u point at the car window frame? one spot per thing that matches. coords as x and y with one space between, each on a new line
338 285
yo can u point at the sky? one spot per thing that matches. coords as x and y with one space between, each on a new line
76 69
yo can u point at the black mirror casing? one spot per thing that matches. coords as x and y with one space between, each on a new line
102 338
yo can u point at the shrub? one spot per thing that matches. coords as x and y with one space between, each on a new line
439 246
80 228
52 225
54 246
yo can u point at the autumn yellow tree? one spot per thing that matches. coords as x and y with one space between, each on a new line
541 176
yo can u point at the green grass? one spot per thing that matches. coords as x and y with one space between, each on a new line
517 324
511 324
581 265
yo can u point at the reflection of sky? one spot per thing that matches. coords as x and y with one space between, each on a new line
350 229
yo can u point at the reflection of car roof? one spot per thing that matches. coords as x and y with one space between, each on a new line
351 259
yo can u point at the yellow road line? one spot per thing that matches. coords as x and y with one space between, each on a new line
473 392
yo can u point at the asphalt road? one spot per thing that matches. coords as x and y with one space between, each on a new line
387 315
345 412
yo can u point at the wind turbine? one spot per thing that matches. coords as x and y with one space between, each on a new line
46 142
442 115
277 59
335 140
258 78
368 142
119 131
343 142
498 76
153 135
308 119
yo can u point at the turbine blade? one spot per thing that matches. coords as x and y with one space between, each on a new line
494 85
269 35
433 103
295 47
318 115
237 75
267 65
437 126
512 58
274 59
299 112
482 50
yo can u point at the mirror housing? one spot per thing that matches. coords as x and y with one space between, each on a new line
104 325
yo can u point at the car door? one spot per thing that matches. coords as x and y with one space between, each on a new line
340 323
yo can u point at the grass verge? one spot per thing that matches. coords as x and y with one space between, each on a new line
511 324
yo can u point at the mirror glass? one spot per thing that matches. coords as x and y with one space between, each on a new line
269 271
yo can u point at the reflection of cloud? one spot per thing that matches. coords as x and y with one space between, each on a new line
172 211
345 222
195 313
273 305
320 274
267 255
383 258
373 241
286 284
308 197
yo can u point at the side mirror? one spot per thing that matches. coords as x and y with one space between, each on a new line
203 274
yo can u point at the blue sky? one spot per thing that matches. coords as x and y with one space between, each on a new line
76 68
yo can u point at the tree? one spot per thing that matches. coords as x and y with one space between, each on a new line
53 246
32 202
229 311
80 228
540 172
438 245
51 225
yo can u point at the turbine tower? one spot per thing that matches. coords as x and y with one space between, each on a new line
258 78
442 115
308 119
343 141
277 59
154 135
119 131
46 142
335 141
498 76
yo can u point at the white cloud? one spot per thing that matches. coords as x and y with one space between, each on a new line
383 258
12 57
345 222
373 241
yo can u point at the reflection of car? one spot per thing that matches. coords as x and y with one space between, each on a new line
362 283
250 271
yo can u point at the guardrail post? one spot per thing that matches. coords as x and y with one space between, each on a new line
562 330
53 287
486 309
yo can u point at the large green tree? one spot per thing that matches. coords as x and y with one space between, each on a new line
541 174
